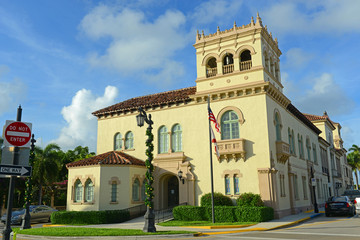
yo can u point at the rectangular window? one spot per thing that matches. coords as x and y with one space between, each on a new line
236 185
296 190
304 187
314 154
282 185
113 192
227 185
318 188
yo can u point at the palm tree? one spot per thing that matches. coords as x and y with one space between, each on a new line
353 159
46 167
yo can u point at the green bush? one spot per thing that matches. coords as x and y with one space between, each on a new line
249 200
222 214
189 213
253 214
219 200
89 217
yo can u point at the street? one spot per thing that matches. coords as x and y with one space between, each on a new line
322 227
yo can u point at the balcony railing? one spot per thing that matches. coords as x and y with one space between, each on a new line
246 65
282 151
232 148
228 68
211 72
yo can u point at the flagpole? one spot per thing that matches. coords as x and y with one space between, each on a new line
211 169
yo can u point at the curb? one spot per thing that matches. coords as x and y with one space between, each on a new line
222 226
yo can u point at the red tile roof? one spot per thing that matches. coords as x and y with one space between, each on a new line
324 117
152 100
108 158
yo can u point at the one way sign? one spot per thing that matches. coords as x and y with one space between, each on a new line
15 170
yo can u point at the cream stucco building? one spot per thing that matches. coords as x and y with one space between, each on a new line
267 146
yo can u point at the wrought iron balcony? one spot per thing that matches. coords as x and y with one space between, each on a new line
282 151
232 148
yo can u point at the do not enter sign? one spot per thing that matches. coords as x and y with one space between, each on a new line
17 134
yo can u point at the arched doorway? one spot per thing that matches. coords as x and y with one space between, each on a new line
173 191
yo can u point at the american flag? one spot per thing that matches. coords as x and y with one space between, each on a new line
213 119
213 140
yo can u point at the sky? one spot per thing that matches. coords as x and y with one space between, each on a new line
62 60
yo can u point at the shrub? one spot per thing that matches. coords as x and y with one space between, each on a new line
222 214
89 217
253 214
189 213
249 200
219 200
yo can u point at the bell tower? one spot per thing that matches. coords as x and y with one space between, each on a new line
240 56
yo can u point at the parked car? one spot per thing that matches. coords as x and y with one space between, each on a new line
357 205
352 194
38 213
339 205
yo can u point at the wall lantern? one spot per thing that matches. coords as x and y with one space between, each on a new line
180 174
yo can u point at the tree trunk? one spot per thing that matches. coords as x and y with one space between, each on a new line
357 181
52 198
40 194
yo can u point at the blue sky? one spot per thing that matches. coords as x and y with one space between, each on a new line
62 60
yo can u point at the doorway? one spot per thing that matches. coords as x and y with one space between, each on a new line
173 191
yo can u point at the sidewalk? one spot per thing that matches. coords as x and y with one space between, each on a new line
138 223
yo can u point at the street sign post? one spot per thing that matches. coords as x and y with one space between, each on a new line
22 171
7 154
17 134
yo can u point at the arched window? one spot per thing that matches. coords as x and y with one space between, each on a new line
236 184
136 190
245 60
230 125
89 191
117 142
228 63
277 127
163 140
227 185
78 191
129 140
211 67
113 191
176 138
143 187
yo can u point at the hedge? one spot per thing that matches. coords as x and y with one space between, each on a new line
224 214
90 217
219 200
189 213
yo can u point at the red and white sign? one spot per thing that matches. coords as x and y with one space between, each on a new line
17 134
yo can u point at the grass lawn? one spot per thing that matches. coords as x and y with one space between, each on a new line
79 231
202 223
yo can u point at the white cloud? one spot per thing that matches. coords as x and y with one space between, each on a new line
137 45
299 17
297 58
327 95
81 124
12 92
219 11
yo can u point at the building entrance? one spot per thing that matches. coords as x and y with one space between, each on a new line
173 191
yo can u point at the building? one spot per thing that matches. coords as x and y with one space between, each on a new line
267 146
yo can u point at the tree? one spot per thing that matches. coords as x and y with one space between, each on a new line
46 166
353 159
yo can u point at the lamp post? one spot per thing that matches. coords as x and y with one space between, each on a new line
316 210
26 218
149 215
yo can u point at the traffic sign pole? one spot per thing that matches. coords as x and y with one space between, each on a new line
8 230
